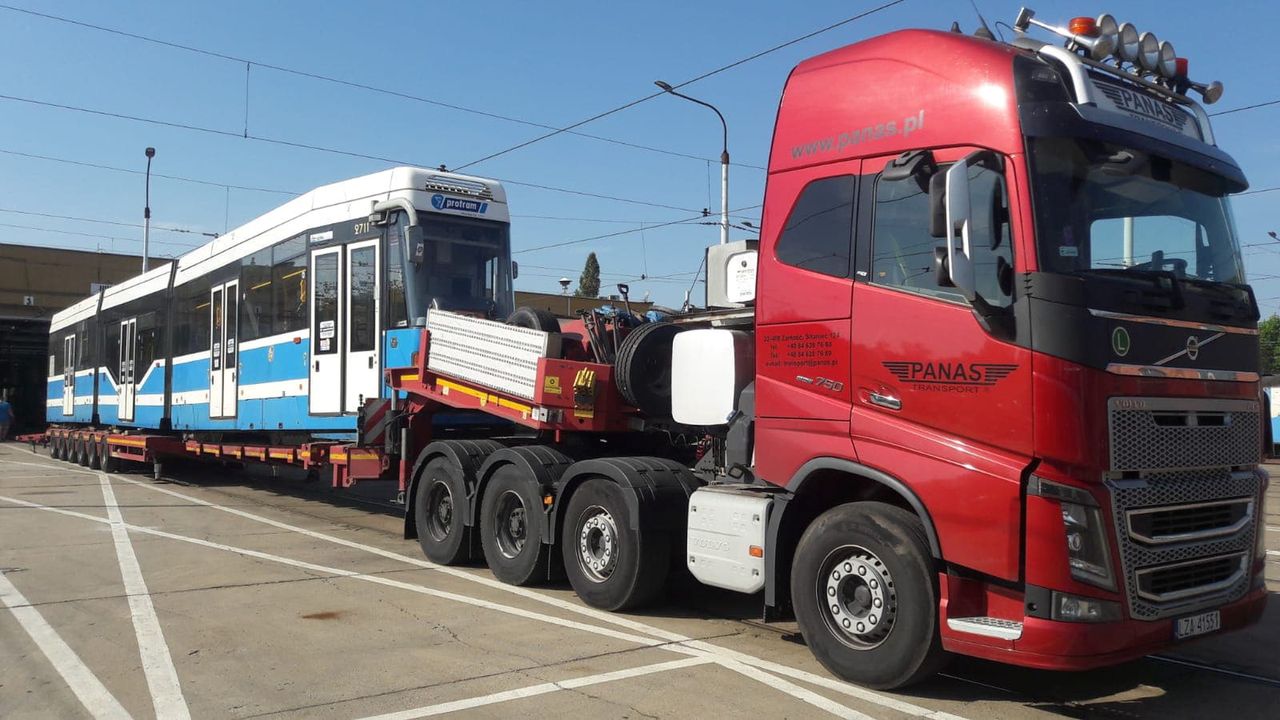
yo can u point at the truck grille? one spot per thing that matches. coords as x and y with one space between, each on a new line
1178 532
1190 578
1178 433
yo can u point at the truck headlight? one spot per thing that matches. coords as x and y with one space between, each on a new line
1087 549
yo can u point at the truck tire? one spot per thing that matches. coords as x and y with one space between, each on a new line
865 595
610 564
82 452
511 527
535 319
53 447
439 512
95 460
643 369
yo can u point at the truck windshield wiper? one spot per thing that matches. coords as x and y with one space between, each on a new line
1172 290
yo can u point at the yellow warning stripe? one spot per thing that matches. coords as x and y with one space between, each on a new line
409 378
129 443
486 398
282 455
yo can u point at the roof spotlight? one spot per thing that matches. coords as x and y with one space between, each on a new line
1168 60
1128 42
1149 52
1108 28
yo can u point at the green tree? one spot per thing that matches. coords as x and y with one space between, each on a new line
1269 345
589 281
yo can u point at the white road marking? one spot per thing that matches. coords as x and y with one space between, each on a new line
861 693
87 687
674 641
157 664
539 689
711 652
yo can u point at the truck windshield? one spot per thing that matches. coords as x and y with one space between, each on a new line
466 264
1104 208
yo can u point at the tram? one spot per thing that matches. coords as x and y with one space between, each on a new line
283 327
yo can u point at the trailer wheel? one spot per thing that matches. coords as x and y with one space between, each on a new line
534 319
610 564
82 452
53 447
95 460
865 595
439 509
109 464
511 527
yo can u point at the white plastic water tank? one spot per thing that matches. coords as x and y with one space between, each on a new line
709 368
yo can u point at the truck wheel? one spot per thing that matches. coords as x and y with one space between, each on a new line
611 565
643 370
511 525
439 506
865 595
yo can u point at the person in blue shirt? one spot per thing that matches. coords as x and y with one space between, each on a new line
6 417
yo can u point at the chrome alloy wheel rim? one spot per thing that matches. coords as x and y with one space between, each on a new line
858 599
439 510
597 544
511 527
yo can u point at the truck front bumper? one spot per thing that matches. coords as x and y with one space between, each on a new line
1056 645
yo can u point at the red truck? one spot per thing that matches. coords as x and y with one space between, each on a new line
986 385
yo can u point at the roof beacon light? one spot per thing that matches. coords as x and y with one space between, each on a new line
1127 44
1168 61
1083 26
1081 33
1149 52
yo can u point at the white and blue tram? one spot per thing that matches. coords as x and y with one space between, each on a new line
285 324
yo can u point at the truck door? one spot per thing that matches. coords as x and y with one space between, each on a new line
939 401
326 332
127 392
69 375
363 366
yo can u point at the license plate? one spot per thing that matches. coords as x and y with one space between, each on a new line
1201 624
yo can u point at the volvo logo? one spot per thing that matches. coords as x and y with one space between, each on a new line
1193 347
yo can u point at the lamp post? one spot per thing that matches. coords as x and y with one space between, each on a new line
568 301
146 212
724 159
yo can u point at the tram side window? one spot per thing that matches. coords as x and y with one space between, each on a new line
255 278
191 331
148 342
397 307
289 285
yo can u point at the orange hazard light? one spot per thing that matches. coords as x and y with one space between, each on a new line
1085 26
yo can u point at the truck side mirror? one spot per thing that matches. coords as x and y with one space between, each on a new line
414 244
938 205
941 270
515 269
960 223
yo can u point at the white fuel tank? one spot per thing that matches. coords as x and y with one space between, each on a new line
709 368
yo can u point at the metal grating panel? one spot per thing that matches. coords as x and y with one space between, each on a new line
1173 488
491 354
1181 433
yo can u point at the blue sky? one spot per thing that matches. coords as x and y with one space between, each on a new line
552 63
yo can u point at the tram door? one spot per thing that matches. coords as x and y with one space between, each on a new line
224 330
128 391
363 371
69 375
326 336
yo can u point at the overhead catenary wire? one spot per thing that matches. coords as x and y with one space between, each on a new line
94 235
117 223
248 63
619 233
131 171
690 81
321 148
1255 106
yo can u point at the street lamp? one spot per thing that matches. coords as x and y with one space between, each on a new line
568 302
146 212
724 160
